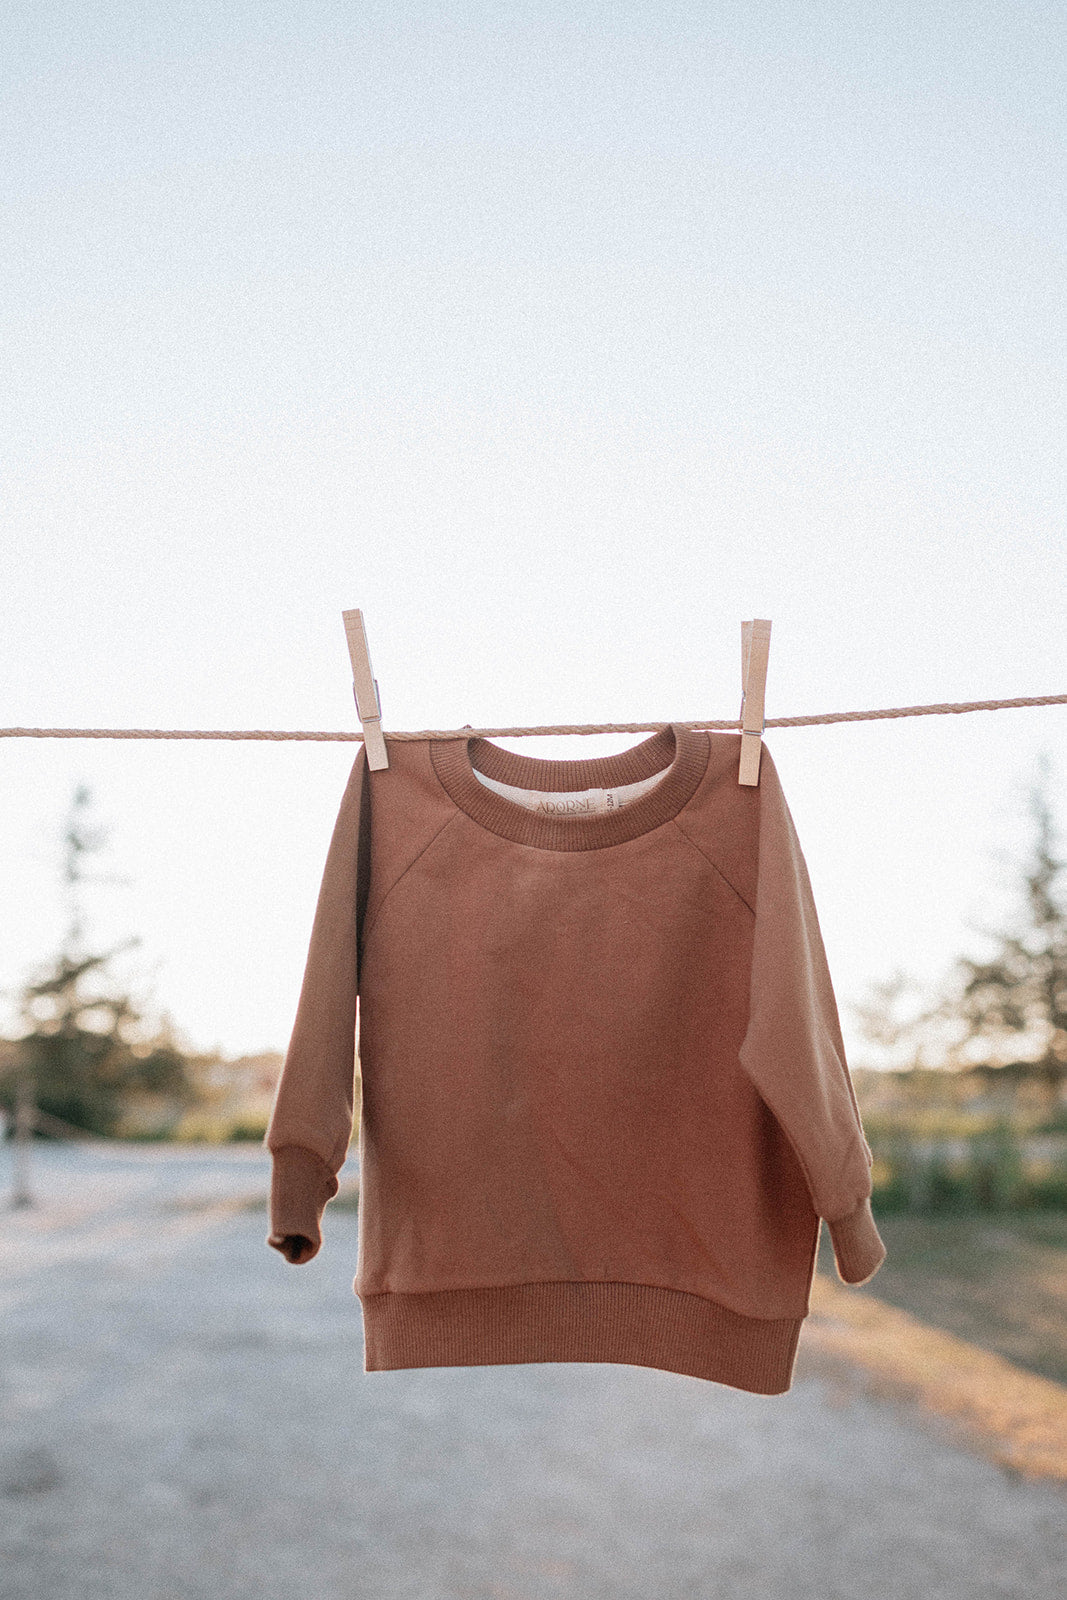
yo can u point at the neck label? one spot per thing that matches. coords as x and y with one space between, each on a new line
576 803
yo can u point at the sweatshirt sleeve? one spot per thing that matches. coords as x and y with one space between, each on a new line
312 1115
793 1050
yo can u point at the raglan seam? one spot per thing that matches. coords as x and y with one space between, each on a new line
714 866
369 927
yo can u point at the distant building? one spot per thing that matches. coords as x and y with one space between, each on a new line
241 1087
1031 1086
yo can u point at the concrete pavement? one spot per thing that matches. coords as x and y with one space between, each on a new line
183 1416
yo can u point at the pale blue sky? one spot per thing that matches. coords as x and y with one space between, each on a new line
560 340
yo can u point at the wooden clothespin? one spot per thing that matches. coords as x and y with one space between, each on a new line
365 689
755 648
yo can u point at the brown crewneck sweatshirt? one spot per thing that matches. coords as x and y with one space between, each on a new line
605 1101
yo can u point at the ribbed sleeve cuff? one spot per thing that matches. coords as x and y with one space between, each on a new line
300 1185
858 1247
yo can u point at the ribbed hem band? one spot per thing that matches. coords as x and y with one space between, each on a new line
631 1323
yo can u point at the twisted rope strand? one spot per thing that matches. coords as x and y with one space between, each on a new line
518 733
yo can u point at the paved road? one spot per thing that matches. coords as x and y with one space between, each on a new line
183 1416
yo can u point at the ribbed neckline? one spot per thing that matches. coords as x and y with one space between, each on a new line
682 751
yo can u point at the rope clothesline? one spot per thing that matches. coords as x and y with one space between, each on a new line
517 733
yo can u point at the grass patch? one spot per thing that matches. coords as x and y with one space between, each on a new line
999 1281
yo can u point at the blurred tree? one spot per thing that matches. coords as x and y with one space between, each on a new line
1018 998
883 1018
85 1051
1014 1001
